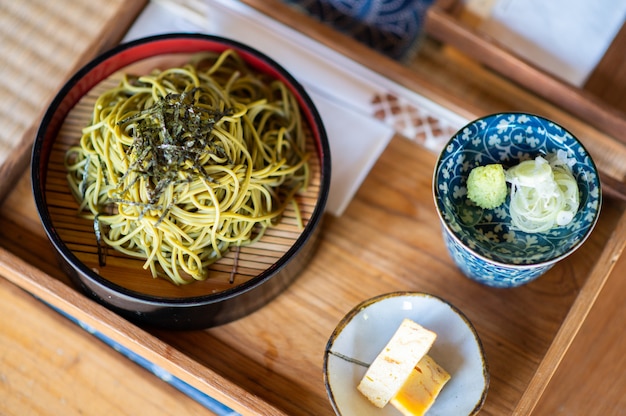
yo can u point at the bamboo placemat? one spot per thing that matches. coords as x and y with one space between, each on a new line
237 266
42 43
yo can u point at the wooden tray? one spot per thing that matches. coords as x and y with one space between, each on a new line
387 240
599 102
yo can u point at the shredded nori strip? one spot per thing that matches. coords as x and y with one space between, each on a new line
169 139
102 248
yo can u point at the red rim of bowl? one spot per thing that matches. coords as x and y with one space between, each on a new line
128 53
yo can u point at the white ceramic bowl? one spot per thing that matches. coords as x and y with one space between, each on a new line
367 328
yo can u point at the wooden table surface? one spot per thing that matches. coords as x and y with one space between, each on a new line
51 366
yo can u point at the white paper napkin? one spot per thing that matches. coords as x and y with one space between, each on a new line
566 38
342 90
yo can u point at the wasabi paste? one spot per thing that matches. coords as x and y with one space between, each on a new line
486 186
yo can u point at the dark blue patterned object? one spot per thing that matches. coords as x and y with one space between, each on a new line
483 243
393 27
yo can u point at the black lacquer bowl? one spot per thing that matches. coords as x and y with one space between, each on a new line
263 269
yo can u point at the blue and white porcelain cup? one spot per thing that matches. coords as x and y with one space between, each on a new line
393 27
482 242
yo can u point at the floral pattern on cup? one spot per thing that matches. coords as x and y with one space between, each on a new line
482 242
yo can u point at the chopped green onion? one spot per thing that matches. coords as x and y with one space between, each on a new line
544 194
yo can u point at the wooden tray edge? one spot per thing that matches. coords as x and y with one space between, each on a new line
574 319
58 295
443 26
605 145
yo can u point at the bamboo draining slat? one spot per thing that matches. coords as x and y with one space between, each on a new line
238 265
